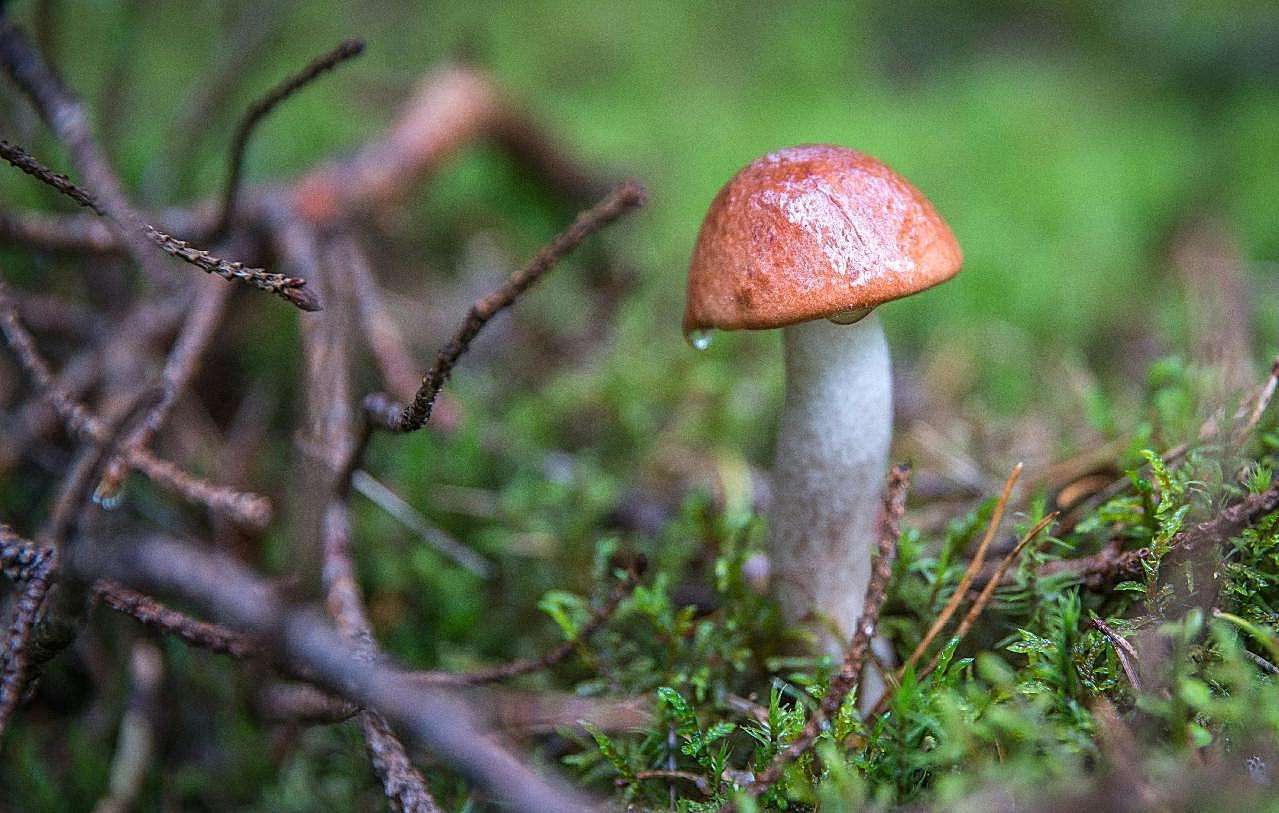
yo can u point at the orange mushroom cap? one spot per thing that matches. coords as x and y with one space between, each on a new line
808 232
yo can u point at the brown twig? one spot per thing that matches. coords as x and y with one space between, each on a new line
22 160
249 509
188 351
29 646
1261 401
380 333
983 598
171 622
556 654
302 642
889 532
973 567
19 557
291 289
402 782
259 109
1124 651
70 124
301 703
39 578
383 412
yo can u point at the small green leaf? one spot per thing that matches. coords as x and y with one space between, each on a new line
609 749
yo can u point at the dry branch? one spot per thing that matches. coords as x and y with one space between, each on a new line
953 604
403 785
171 622
301 641
260 108
386 414
291 289
70 124
248 509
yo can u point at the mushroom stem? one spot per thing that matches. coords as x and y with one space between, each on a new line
832 449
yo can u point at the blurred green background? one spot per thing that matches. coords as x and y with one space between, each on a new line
1063 142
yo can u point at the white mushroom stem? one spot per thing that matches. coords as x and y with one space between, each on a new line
832 450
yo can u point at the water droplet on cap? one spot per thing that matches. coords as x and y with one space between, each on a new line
700 339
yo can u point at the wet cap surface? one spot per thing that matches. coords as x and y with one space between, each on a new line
806 232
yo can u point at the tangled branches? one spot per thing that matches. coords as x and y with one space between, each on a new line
107 400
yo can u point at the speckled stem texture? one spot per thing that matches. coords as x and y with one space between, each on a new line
832 450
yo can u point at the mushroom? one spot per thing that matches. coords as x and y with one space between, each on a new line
811 239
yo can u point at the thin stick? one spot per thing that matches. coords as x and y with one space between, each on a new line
24 161
396 506
973 567
251 510
382 412
1124 651
158 616
1263 400
889 532
548 659
28 646
290 289
983 598
260 108
18 557
203 319
69 121
402 783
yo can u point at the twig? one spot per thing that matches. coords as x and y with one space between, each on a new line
27 646
188 351
1262 401
259 109
302 641
983 598
291 289
383 338
249 509
13 680
1265 665
974 566
22 160
301 703
1124 651
19 557
889 532
171 622
395 505
402 782
384 413
1259 399
549 658
70 124
58 234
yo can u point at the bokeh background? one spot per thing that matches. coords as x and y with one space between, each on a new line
1110 170
1065 143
